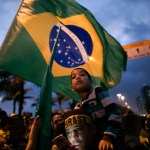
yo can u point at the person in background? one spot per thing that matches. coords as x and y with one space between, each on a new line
97 101
60 141
147 124
144 136
3 114
57 124
3 145
17 132
133 127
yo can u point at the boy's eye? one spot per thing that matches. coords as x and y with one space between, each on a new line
82 74
73 77
79 75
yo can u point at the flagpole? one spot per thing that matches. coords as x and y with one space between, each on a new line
54 48
44 107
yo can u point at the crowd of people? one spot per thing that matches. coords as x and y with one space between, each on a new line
96 123
14 130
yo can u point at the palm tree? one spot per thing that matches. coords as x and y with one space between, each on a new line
58 101
5 79
16 99
61 99
12 87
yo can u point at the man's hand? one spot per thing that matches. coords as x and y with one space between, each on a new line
105 145
35 126
33 134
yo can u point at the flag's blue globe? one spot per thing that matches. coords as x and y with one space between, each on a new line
74 43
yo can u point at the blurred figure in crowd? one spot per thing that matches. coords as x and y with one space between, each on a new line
133 127
3 114
17 132
146 136
3 144
58 126
4 128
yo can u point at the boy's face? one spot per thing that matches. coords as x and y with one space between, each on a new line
80 136
80 81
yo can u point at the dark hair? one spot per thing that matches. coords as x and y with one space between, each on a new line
58 113
4 121
3 113
89 76
132 123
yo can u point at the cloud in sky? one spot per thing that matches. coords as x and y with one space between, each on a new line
8 10
128 21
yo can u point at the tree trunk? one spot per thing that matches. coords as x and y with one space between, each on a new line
21 99
14 106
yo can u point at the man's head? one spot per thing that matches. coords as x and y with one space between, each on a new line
58 125
132 124
56 120
147 123
80 129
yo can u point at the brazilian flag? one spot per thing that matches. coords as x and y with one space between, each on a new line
83 42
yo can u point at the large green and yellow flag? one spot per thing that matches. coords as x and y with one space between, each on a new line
83 42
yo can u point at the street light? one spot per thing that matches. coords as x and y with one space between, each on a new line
126 103
128 107
122 102
0 99
119 97
122 99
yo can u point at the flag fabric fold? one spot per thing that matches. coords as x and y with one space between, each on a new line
44 107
